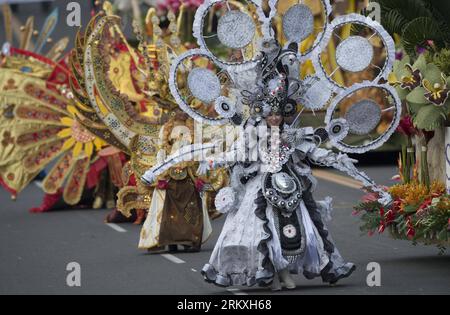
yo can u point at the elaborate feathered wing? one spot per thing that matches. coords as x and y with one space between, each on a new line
125 89
39 125
121 93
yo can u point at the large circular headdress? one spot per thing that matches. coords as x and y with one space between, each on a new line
241 63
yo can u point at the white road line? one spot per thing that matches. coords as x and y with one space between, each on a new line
236 292
338 179
116 228
173 259
193 270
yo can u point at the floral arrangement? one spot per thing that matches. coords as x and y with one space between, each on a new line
161 5
420 210
418 213
174 5
426 90
422 70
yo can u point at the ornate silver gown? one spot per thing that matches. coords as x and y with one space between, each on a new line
273 223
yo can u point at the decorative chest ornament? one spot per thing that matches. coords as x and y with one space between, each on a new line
283 191
289 231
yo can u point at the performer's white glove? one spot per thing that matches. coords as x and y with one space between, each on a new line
345 161
386 199
161 156
203 168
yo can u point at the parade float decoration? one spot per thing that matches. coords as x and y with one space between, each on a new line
421 76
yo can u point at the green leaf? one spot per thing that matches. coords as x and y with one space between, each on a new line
420 234
447 107
411 209
439 11
442 236
418 31
417 96
441 59
399 65
402 93
421 63
433 73
429 118
402 227
410 9
394 21
399 220
414 108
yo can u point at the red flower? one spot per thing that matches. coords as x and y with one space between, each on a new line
406 126
411 232
390 217
396 207
425 204
371 197
382 226
176 4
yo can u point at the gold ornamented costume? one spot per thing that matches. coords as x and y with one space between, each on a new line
114 87
177 213
39 119
126 89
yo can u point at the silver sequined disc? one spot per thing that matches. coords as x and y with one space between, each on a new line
236 29
354 54
204 85
298 23
317 95
363 117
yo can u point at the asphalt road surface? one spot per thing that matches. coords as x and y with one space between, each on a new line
36 249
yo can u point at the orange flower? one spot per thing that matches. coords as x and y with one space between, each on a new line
416 194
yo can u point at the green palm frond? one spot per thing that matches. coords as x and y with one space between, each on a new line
394 21
439 10
418 31
410 9
417 21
